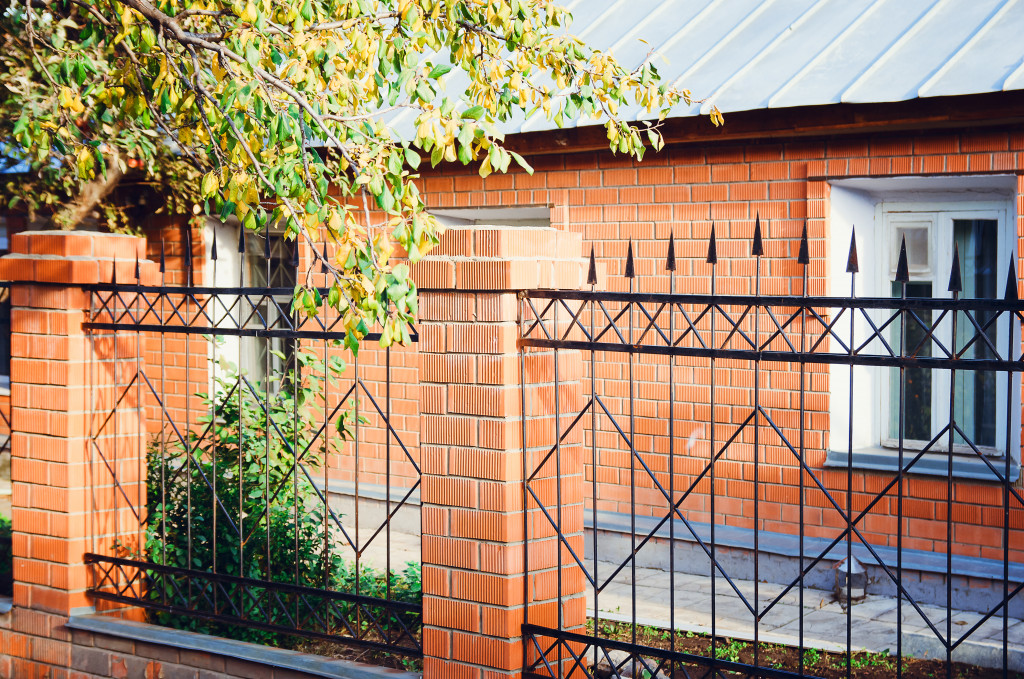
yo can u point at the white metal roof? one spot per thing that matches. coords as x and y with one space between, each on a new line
746 55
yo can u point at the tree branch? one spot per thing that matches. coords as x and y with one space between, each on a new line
91 195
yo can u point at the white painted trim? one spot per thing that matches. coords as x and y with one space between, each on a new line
871 204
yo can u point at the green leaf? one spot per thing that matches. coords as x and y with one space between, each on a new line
522 162
473 113
412 158
439 71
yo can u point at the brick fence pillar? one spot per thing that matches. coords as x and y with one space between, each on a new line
74 419
472 449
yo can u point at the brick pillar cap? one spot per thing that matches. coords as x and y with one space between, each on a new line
76 258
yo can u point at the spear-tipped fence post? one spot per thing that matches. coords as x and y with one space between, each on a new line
852 268
631 275
189 279
804 259
712 259
902 277
757 250
670 266
1010 294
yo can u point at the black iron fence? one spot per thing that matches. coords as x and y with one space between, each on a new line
222 419
763 472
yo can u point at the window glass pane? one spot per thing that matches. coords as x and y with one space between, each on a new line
917 382
277 272
975 394
916 235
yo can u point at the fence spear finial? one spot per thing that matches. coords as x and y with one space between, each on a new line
1011 282
902 268
295 254
712 247
670 263
630 273
188 248
213 246
758 249
955 282
163 260
804 256
138 269
852 262
592 270
266 244
241 239
323 260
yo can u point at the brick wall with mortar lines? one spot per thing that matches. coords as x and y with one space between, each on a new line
177 368
404 400
611 199
473 458
40 645
65 445
177 386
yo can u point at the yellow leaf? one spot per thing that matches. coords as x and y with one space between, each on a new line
249 13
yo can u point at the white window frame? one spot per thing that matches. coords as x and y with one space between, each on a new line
941 215
872 204
229 264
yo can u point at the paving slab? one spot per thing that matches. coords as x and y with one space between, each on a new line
824 619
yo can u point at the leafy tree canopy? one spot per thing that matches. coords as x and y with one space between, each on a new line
278 111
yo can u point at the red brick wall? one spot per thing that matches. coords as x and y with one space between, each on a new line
178 368
37 644
612 199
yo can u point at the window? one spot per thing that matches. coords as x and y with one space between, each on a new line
933 216
254 270
277 272
930 238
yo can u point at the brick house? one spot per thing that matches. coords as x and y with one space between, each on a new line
902 118
904 121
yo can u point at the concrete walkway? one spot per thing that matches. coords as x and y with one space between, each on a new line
873 620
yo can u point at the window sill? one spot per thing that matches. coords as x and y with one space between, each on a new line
930 464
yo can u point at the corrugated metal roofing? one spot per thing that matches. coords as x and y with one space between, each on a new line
746 55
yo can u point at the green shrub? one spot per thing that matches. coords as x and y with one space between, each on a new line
6 558
242 478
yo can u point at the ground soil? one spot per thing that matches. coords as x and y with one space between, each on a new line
335 649
816 663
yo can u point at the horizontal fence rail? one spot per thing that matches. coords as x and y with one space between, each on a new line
730 491
223 418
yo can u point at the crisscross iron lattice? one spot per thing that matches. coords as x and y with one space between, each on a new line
738 419
223 423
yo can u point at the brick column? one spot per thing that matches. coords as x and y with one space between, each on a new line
472 449
65 383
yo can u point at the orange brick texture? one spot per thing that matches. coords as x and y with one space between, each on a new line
610 200
177 366
68 435
99 656
477 590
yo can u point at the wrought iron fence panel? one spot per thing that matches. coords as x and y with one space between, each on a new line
243 414
768 386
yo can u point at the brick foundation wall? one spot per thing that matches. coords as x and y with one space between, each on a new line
611 200
101 656
40 645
